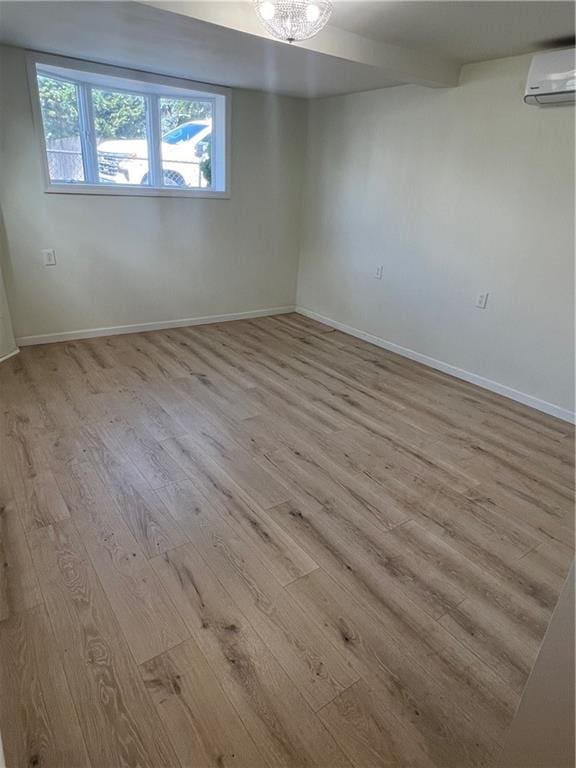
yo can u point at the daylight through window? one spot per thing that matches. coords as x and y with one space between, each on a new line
112 134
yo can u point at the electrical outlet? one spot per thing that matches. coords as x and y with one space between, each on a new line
379 272
49 256
482 299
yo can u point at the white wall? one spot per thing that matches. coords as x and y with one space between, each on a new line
453 191
125 260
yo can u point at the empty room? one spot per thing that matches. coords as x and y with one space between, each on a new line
287 391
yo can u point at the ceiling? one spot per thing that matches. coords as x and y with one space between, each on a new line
466 31
367 45
129 34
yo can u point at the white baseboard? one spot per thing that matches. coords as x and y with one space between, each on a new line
116 330
460 373
7 357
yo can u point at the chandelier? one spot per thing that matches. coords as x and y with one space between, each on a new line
291 20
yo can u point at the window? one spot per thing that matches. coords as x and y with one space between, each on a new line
61 117
110 131
186 149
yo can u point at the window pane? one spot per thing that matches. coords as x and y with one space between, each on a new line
61 120
186 150
120 124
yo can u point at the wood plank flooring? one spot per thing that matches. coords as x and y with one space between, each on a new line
266 544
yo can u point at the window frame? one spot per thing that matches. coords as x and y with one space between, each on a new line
135 82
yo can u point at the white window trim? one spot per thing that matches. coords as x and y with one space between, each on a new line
139 82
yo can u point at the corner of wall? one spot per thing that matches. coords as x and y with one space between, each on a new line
303 199
8 346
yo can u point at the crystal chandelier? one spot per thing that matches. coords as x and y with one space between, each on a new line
291 20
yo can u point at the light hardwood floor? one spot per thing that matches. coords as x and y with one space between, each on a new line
268 544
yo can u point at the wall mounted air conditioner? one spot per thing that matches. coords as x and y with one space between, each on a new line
552 78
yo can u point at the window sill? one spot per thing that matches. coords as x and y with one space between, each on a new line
132 191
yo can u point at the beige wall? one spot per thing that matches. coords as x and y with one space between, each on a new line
125 260
453 191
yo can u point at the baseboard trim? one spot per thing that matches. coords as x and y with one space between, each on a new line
7 357
452 370
116 330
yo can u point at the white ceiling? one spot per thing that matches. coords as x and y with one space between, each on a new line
368 45
463 30
137 36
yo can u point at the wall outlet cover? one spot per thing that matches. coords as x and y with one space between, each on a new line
49 257
482 299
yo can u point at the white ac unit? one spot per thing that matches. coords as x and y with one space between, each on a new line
552 78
